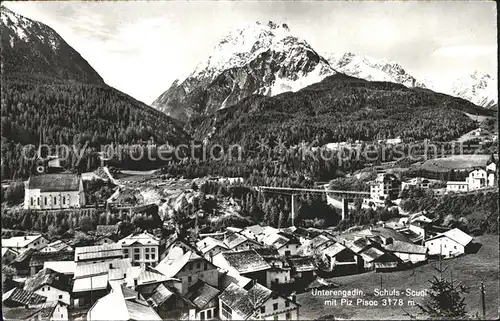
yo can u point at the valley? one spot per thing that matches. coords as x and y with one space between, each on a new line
270 173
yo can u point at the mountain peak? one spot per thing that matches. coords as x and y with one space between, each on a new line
263 58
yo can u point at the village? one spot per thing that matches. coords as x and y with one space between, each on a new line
252 272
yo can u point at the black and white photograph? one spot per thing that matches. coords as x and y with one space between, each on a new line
249 160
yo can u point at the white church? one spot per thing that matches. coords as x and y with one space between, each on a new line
54 191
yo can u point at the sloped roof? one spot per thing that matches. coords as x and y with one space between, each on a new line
41 311
142 238
25 255
84 253
48 277
319 240
405 247
59 182
58 246
86 270
234 240
114 306
371 254
98 282
303 264
244 302
175 260
246 261
334 249
201 294
39 258
455 234
227 278
160 295
22 297
209 243
20 241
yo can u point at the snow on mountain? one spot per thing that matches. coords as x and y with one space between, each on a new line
261 59
478 88
33 48
368 68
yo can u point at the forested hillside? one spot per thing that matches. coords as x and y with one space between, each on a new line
50 94
337 109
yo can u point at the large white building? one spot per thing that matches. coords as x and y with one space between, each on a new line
448 244
54 191
385 187
143 249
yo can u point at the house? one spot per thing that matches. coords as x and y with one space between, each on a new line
57 246
457 186
97 253
55 310
375 258
417 182
303 268
340 259
204 303
210 247
22 262
54 191
238 242
122 304
93 281
38 259
481 178
449 244
143 249
53 285
8 255
19 243
257 302
188 266
385 187
144 279
20 298
286 244
247 263
279 273
408 252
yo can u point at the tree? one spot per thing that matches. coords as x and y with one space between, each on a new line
86 224
445 299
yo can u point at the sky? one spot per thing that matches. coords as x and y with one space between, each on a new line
141 47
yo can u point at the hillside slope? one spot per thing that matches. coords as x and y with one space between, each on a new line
337 109
51 94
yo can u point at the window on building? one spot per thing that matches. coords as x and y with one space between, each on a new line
136 257
275 306
209 314
45 200
190 266
206 266
147 250
31 201
190 278
288 316
262 309
137 250
198 265
60 296
202 315
64 199
153 257
55 200
226 311
48 288
147 256
276 317
287 304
